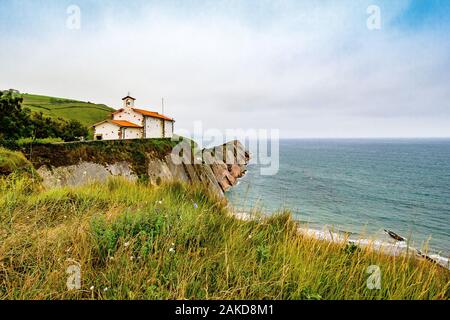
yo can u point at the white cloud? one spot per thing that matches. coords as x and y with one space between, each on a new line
309 70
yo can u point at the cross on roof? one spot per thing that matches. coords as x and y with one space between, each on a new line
128 96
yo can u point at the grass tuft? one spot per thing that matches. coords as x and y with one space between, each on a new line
13 162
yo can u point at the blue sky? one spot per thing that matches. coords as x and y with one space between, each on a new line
19 15
423 13
308 68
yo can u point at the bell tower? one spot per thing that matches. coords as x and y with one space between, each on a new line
128 101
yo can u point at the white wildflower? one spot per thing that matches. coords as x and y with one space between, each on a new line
172 250
126 244
106 289
91 288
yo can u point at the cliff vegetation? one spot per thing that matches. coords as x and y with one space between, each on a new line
135 152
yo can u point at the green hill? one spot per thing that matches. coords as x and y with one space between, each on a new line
86 112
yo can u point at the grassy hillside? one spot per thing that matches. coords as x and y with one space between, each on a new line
85 112
174 241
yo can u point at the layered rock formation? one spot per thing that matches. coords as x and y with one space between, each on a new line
218 168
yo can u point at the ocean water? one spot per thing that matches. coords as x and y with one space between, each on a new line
360 187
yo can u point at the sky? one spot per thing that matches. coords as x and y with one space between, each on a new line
311 69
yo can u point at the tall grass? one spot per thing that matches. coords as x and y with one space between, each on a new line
175 241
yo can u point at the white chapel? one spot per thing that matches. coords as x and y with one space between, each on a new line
132 123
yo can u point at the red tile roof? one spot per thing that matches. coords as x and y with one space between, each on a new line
126 124
153 114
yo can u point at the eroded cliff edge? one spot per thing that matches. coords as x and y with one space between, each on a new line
154 161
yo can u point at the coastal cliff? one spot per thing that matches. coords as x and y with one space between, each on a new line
119 232
155 161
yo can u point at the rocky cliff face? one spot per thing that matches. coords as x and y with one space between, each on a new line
217 168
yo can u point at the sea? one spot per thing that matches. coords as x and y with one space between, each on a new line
358 187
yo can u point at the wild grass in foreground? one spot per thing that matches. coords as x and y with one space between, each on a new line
175 241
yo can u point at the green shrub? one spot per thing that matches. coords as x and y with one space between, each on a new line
13 161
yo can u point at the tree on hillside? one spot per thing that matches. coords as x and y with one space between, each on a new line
74 130
14 121
17 122
46 127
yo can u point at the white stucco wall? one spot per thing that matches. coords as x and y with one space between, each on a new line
108 131
153 127
168 129
129 115
132 133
